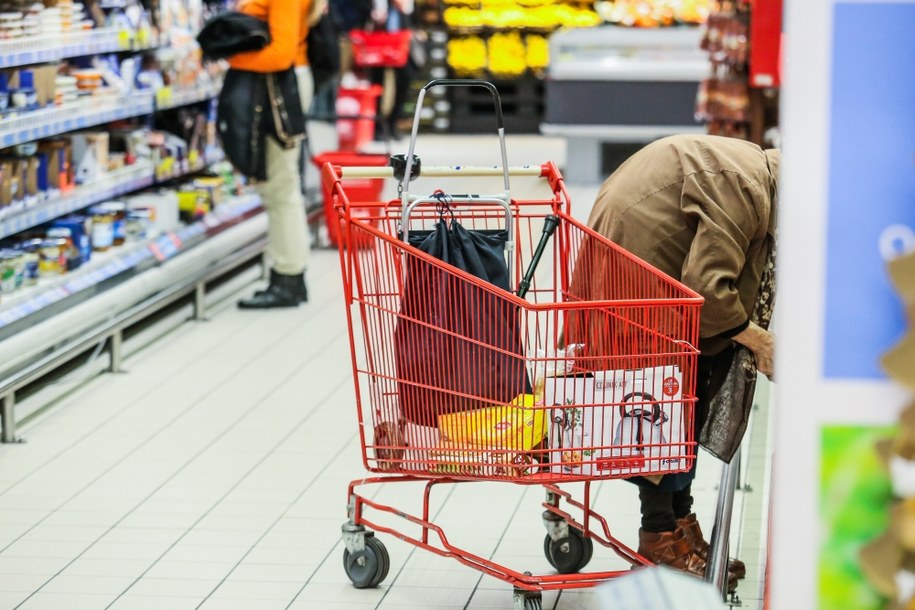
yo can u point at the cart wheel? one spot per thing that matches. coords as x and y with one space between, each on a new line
547 543
570 554
368 567
527 600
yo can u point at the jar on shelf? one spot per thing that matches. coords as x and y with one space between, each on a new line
53 256
31 257
9 271
102 228
139 223
118 211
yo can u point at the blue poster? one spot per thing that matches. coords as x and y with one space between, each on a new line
871 199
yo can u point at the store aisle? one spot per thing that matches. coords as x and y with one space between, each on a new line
213 475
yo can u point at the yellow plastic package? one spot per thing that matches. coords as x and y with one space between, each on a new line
517 426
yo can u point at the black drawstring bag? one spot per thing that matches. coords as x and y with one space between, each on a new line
457 346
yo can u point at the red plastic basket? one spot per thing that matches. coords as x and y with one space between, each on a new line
380 49
363 189
354 133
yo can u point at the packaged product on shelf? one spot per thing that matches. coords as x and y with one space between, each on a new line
617 422
162 207
140 223
118 210
212 188
9 260
30 267
102 228
80 233
73 257
29 166
22 90
193 204
90 155
53 256
10 183
4 91
59 169
65 89
45 84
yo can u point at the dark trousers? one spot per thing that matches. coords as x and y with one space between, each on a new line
402 78
671 499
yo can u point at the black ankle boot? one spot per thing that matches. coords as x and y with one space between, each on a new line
283 291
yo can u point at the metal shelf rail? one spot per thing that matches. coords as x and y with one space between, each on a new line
115 183
53 121
47 47
173 97
111 329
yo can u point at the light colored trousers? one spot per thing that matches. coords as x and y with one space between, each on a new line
288 247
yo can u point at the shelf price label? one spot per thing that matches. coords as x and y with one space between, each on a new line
124 39
164 97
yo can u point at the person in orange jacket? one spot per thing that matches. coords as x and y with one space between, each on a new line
287 238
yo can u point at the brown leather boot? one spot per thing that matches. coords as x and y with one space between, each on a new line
689 525
672 549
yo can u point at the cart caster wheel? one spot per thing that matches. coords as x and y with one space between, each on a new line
368 567
528 600
569 554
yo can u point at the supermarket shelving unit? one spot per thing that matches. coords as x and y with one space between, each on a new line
45 327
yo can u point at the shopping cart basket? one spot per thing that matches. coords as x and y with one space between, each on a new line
380 49
605 349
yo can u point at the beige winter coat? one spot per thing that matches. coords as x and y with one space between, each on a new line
701 209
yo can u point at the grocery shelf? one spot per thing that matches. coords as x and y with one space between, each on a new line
115 183
173 97
47 122
171 171
52 47
130 257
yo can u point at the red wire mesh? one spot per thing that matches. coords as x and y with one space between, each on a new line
592 375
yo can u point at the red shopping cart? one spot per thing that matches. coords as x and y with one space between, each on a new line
583 370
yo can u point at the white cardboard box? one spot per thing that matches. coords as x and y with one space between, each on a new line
615 423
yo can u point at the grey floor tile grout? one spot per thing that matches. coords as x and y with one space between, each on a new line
137 399
85 439
206 447
241 479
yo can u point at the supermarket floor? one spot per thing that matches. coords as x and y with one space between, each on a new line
213 475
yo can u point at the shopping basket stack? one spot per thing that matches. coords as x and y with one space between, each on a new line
486 350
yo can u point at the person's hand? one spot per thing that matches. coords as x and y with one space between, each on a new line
762 343
379 16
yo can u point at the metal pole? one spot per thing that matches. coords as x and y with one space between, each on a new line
115 349
717 569
9 418
200 313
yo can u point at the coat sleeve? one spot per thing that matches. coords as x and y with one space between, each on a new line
285 24
719 207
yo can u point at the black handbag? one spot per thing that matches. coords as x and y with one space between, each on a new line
253 106
323 51
457 346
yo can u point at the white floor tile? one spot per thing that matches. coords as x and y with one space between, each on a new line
70 601
246 589
197 588
155 602
88 584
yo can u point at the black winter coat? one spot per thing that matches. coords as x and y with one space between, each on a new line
233 32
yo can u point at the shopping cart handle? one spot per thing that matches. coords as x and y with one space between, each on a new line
399 163
469 82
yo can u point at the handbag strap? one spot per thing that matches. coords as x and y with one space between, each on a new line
765 301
